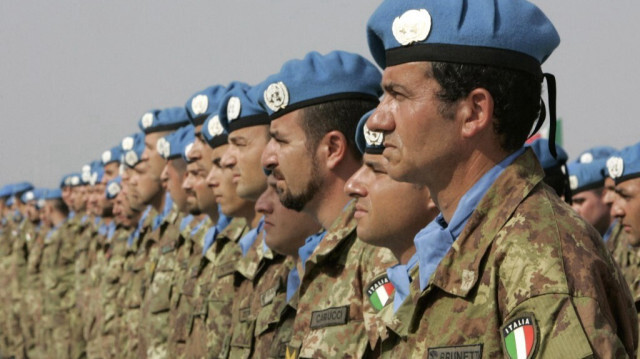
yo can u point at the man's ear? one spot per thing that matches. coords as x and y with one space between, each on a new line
332 148
477 112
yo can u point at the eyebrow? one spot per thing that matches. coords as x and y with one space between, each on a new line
393 87
375 165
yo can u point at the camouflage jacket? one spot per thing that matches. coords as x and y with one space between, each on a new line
527 277
110 284
335 316
260 276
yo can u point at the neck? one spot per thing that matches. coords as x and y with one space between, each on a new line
404 254
213 215
57 218
158 201
448 192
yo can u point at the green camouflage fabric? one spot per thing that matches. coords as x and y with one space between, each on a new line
335 317
32 300
161 266
524 259
281 319
623 254
108 319
214 289
133 288
187 292
260 276
5 279
81 316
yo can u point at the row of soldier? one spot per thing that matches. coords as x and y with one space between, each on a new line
305 217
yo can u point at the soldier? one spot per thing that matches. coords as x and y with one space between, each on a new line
525 276
624 168
315 105
587 189
389 214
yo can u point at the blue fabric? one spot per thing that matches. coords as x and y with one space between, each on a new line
515 25
434 241
195 229
401 280
541 148
212 233
84 219
111 230
52 230
309 246
134 236
111 155
584 176
206 103
607 234
113 188
319 78
33 195
368 141
132 148
168 206
625 164
596 153
214 131
6 191
19 188
185 222
168 119
240 108
293 282
54 193
177 141
247 240
71 215
96 220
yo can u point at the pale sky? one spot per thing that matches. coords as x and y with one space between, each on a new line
75 76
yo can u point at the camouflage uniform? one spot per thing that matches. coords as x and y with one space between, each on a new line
108 319
161 267
190 260
32 301
524 260
85 240
262 276
132 290
335 316
19 238
5 279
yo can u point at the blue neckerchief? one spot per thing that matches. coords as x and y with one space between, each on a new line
17 216
401 280
111 230
71 214
212 233
247 240
185 222
103 229
96 220
136 233
195 229
293 282
168 205
434 241
607 234
55 228
309 246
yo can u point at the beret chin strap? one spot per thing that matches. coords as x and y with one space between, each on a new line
551 88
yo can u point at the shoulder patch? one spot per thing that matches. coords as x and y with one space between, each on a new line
461 351
520 336
379 292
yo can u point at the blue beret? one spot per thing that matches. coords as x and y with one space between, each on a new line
368 141
88 171
35 194
113 188
240 107
586 176
55 193
318 79
6 191
172 146
73 180
215 132
541 149
596 153
168 119
112 155
10 201
204 103
510 33
19 188
625 165
65 181
132 148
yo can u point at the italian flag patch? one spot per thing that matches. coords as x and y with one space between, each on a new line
380 291
520 337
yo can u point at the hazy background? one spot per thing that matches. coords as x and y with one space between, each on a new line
75 76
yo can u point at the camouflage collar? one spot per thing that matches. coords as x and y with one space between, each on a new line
256 259
459 270
342 228
234 231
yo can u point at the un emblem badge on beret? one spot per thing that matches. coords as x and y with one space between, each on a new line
131 158
215 127
106 157
127 143
147 120
199 104
113 189
615 165
233 108
86 177
372 138
573 182
162 146
276 96
412 26
586 158
187 149
28 196
75 180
